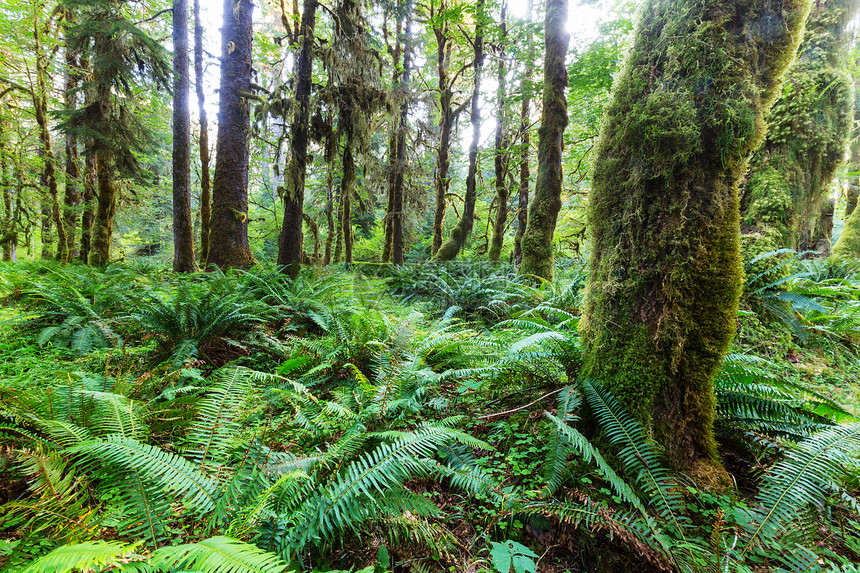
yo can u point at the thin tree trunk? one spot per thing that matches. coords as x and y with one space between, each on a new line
229 245
543 212
457 240
329 215
446 122
687 111
290 242
392 166
183 228
315 231
71 199
338 230
396 213
347 190
205 185
500 159
88 198
46 231
5 184
525 144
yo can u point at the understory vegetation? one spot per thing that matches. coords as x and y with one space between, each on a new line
417 419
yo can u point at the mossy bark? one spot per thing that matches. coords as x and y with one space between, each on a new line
106 197
329 215
686 112
71 194
290 241
6 187
229 245
203 142
449 250
525 142
90 182
500 159
543 212
441 181
848 245
808 129
347 190
183 228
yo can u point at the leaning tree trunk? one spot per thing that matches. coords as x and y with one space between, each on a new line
183 229
501 159
543 212
461 231
686 112
229 245
808 129
205 185
525 143
290 241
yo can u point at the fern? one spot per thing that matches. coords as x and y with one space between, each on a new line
89 556
218 555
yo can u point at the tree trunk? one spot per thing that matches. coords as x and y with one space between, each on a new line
848 245
446 122
229 245
71 198
290 242
525 143
102 230
347 190
5 185
502 144
808 128
89 183
329 215
205 187
661 305
183 228
388 240
543 212
396 213
46 231
824 228
460 233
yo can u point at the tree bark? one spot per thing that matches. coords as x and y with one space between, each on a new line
347 189
87 216
444 46
183 228
102 230
329 215
229 245
5 185
205 184
808 129
461 231
543 212
71 198
525 144
500 160
290 242
396 213
661 305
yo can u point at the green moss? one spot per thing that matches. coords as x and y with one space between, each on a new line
849 241
666 275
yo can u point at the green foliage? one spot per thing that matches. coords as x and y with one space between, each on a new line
511 554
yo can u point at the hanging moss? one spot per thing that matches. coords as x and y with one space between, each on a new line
687 110
808 129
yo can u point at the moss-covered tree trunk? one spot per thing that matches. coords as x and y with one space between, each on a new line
396 212
88 200
461 231
6 187
106 197
183 228
444 47
525 143
808 128
543 212
229 245
848 245
290 241
500 158
687 110
329 215
205 183
71 194
347 190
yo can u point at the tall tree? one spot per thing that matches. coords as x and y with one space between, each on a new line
808 128
205 185
525 144
71 195
183 229
461 231
501 152
290 242
229 245
121 57
686 112
543 213
395 211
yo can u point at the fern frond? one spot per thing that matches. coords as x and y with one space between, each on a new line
89 556
219 555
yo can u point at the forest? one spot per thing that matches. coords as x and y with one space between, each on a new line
430 286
